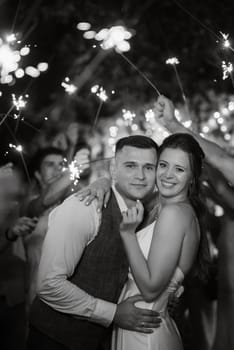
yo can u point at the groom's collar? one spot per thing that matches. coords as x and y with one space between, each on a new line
121 203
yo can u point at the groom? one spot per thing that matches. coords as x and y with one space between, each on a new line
83 266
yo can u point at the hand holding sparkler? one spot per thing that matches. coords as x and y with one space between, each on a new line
165 111
82 159
23 227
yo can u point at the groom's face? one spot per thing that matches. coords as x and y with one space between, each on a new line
135 173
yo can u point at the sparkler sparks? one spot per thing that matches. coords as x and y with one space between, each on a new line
128 116
74 171
10 60
226 42
99 92
149 116
172 60
11 38
115 37
18 148
69 88
19 102
227 69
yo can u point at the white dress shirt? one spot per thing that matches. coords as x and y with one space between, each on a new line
72 226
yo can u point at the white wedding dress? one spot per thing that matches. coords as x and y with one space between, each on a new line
166 337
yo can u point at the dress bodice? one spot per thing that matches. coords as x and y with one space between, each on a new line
144 238
165 337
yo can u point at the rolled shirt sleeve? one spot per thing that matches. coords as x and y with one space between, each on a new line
72 226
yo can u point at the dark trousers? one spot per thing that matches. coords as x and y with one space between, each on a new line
39 341
12 326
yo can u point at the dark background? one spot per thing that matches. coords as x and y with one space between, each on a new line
186 29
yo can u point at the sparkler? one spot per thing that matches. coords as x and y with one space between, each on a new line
141 73
117 38
173 61
227 69
10 60
226 42
128 116
74 170
18 148
114 37
19 102
150 116
101 94
69 88
6 115
11 38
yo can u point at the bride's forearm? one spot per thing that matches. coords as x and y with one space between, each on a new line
139 267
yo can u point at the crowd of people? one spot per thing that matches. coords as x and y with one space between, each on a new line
103 268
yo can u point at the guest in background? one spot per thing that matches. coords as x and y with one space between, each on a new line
13 263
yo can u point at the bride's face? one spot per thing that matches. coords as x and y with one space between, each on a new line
174 174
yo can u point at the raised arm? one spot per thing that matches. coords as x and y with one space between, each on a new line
215 154
57 191
153 274
219 189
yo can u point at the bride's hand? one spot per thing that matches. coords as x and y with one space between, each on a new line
131 219
99 189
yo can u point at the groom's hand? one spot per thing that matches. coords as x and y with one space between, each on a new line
129 316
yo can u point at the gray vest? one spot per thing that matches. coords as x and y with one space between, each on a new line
101 272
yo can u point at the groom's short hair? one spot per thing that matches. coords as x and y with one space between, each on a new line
138 141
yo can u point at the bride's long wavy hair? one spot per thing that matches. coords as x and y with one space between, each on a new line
189 145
